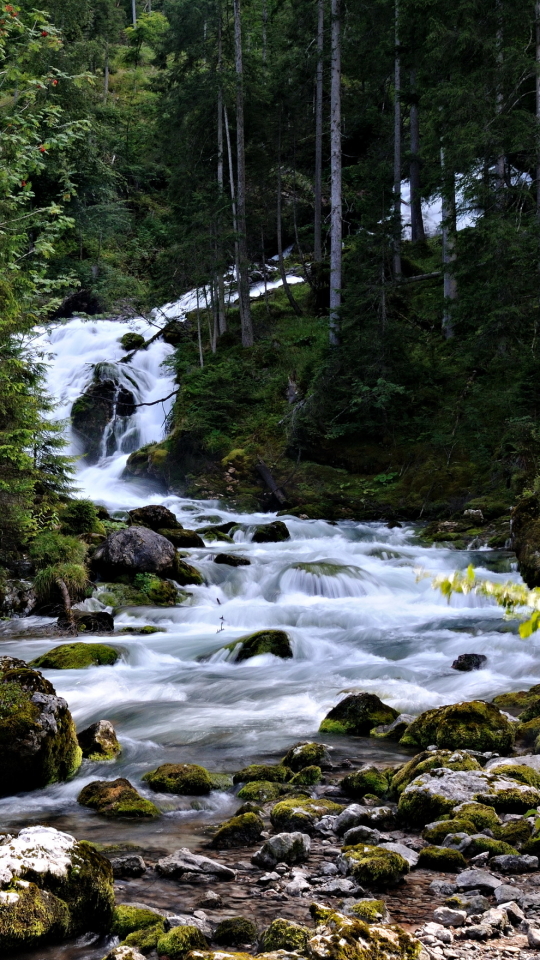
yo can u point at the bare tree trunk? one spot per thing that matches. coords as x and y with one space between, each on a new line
106 74
243 279
264 18
282 273
199 335
417 220
221 315
233 200
537 12
68 610
501 159
319 92
265 273
397 150
336 252
134 11
448 214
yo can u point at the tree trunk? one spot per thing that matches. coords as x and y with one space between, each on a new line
501 159
106 74
397 150
417 220
537 11
335 173
319 91
243 279
264 18
134 11
448 214
68 610
199 334
221 315
233 200
282 273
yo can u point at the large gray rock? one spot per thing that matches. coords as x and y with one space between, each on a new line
187 867
514 863
361 834
283 848
135 550
438 791
105 399
409 855
477 879
528 760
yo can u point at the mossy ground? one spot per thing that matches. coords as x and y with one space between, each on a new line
77 656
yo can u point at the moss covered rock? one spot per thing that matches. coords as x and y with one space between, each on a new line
38 741
357 714
441 858
368 780
483 816
239 831
144 589
375 867
349 938
154 516
186 779
307 777
99 741
134 550
518 700
187 575
182 539
425 761
234 931
369 910
179 941
276 642
51 887
285 935
306 755
473 725
145 940
275 532
300 813
127 919
440 792
76 656
482 844
515 832
117 798
259 791
435 833
261 771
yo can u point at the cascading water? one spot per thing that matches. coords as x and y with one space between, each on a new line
352 597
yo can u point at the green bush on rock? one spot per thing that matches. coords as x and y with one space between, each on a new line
285 935
239 831
275 642
441 858
357 714
117 798
76 656
187 779
472 725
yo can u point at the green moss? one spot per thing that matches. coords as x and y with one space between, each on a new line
362 782
142 631
275 642
259 791
128 919
357 714
80 516
441 858
146 590
532 710
179 941
305 755
275 532
473 725
527 733
87 889
262 771
145 940
419 808
186 779
234 931
532 847
220 781
132 341
299 813
372 911
76 656
239 831
117 798
483 816
422 762
285 935
487 844
511 801
436 833
50 548
307 777
375 867
518 700
186 575
521 773
516 832
183 539
34 918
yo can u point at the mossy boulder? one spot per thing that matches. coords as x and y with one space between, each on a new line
349 938
518 771
231 560
259 791
307 777
187 779
239 831
187 575
146 939
435 833
38 740
357 714
76 656
368 780
275 532
306 755
515 832
443 859
261 771
518 700
431 760
99 741
181 538
276 642
154 516
145 589
375 867
118 799
473 725
285 935
301 813
127 919
483 816
369 910
51 887
439 792
525 520
179 941
527 735
134 550
234 931
482 844
132 341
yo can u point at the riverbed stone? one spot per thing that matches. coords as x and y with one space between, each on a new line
357 715
287 848
76 656
117 799
132 865
361 834
374 867
368 779
431 760
436 832
514 863
440 791
38 740
257 772
187 779
473 725
239 831
285 935
231 560
444 859
135 550
394 730
275 532
51 886
301 813
383 817
187 867
477 879
180 941
276 642
466 662
99 741
306 754
182 539
341 936
259 791
154 516
124 951
235 931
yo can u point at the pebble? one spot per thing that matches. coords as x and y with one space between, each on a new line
533 936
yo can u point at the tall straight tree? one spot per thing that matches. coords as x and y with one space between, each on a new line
336 235
537 16
243 278
219 280
397 148
448 218
319 91
417 220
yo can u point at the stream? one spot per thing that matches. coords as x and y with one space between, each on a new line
355 598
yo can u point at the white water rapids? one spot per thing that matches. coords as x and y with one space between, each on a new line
368 623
